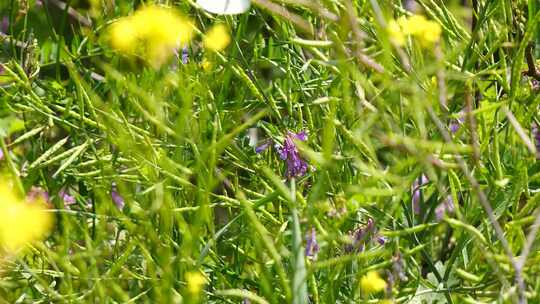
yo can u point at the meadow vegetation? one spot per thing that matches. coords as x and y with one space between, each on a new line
283 151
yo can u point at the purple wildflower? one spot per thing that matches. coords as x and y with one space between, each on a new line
455 124
417 192
535 85
536 135
37 194
185 55
296 165
445 207
1 152
68 199
381 239
262 147
359 237
312 247
117 198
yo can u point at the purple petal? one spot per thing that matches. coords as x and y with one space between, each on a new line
37 193
301 136
68 199
185 55
1 154
262 147
381 239
312 247
117 199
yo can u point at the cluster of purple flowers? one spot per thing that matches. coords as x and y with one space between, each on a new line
296 165
362 235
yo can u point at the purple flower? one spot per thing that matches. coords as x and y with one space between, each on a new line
37 194
296 165
185 55
536 135
1 154
455 124
359 236
117 198
381 239
312 247
445 207
262 147
68 199
417 192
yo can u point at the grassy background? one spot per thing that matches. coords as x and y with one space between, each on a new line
77 116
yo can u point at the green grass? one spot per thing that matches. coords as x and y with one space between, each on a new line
78 116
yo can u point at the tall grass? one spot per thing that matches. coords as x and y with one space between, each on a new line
178 145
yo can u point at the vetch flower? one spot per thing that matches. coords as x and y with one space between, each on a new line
185 55
312 247
296 165
117 198
417 192
445 207
21 222
66 198
217 38
37 194
225 7
372 283
263 146
360 236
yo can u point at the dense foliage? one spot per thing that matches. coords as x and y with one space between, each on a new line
330 151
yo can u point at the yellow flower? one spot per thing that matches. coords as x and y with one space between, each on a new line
432 32
412 25
195 282
395 33
217 38
206 65
123 35
21 222
152 31
372 283
426 31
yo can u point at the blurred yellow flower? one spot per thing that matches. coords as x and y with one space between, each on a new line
217 38
21 222
426 31
152 31
206 64
395 33
195 282
372 283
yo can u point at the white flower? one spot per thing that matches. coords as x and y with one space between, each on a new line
225 7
